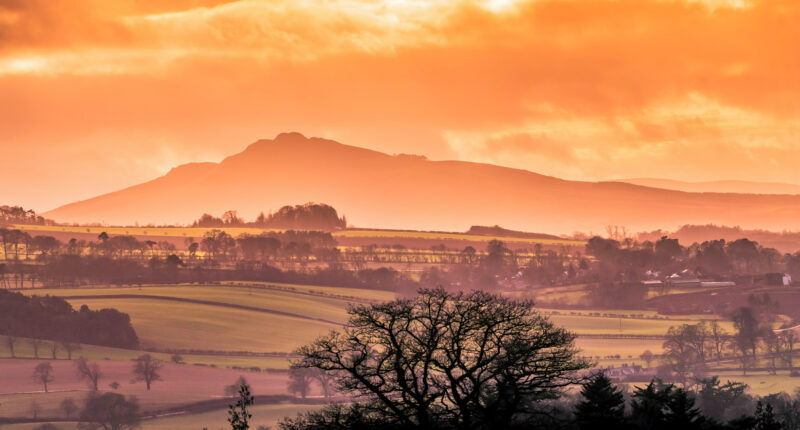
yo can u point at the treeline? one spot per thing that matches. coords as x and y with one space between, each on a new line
78 270
689 348
20 215
53 318
629 260
786 241
310 216
291 244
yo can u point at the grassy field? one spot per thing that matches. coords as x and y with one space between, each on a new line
168 324
23 350
625 326
311 306
197 232
180 384
171 325
263 415
282 319
366 233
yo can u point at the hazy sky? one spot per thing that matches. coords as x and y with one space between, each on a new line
96 95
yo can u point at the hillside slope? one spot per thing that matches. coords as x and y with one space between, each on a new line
376 189
743 187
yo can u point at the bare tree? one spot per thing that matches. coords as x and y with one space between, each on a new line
88 371
70 347
455 357
233 389
325 382
719 337
43 373
36 343
682 351
54 349
146 368
300 380
647 356
788 339
11 340
69 407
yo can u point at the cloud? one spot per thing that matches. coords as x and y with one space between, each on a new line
586 89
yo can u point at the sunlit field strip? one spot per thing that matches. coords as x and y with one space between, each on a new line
279 301
263 415
236 231
356 233
195 232
173 325
23 349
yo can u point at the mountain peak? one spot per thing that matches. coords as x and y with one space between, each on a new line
290 137
406 191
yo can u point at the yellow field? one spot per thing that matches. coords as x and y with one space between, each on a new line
354 233
197 232
632 326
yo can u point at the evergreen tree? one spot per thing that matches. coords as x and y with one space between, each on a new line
647 405
765 418
681 413
603 405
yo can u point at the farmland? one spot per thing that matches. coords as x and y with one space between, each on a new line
281 317
255 325
181 384
263 415
174 316
355 237
197 317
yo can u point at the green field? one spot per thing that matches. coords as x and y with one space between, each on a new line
288 316
170 325
284 316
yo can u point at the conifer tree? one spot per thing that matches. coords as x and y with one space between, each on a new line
603 405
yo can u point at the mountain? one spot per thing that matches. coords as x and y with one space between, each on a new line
742 187
379 190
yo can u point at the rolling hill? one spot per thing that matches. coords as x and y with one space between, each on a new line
742 187
403 191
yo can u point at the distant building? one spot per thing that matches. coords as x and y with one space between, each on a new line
684 278
629 372
778 279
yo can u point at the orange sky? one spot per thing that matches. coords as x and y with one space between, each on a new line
98 94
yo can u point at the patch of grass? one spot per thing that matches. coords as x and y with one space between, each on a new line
624 347
24 349
583 324
263 415
176 325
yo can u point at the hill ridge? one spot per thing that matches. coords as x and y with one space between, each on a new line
375 189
